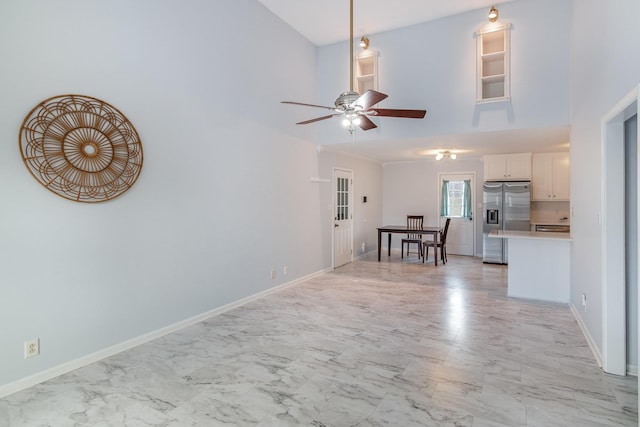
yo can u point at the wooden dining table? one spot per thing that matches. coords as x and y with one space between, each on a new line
403 229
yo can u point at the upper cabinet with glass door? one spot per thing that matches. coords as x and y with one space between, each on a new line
493 45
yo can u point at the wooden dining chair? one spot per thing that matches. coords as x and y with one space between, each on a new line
441 244
414 222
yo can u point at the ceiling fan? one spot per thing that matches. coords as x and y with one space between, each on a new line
355 108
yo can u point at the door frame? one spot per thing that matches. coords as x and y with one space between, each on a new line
333 211
473 200
614 354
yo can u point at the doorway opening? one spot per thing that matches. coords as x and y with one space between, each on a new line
616 232
342 217
456 199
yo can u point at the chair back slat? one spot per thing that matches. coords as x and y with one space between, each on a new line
414 222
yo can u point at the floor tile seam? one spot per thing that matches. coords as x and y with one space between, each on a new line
426 409
327 401
623 416
485 412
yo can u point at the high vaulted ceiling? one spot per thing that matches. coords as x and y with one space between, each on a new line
327 21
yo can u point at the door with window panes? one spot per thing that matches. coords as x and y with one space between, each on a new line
343 217
456 199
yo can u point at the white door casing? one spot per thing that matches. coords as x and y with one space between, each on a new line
613 234
461 235
342 217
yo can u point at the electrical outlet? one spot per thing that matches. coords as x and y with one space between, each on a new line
285 270
31 348
273 273
584 301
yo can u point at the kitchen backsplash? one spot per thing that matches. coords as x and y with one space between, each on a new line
549 212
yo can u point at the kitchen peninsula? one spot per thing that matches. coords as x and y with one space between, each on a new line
538 265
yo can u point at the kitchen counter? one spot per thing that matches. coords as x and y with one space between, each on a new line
508 234
538 265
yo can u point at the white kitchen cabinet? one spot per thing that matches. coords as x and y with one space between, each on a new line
507 167
550 177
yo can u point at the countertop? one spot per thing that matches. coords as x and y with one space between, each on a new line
508 234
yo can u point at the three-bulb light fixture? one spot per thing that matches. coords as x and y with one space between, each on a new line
350 120
442 154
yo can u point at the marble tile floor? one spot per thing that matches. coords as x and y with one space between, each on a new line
395 343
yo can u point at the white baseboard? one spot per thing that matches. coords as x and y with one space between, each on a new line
587 335
72 365
364 255
632 370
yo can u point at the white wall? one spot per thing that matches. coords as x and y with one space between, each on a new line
367 217
224 193
412 188
225 182
605 67
437 70
433 66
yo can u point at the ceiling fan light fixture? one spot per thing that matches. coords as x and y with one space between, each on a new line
442 154
493 14
355 108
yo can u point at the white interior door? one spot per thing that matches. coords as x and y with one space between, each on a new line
343 217
460 238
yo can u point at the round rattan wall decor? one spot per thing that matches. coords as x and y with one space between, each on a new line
81 148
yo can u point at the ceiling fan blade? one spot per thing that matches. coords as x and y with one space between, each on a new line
306 122
369 98
308 105
366 123
391 112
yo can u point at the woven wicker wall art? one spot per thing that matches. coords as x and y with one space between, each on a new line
81 148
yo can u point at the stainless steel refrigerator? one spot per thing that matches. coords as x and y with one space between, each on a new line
505 206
